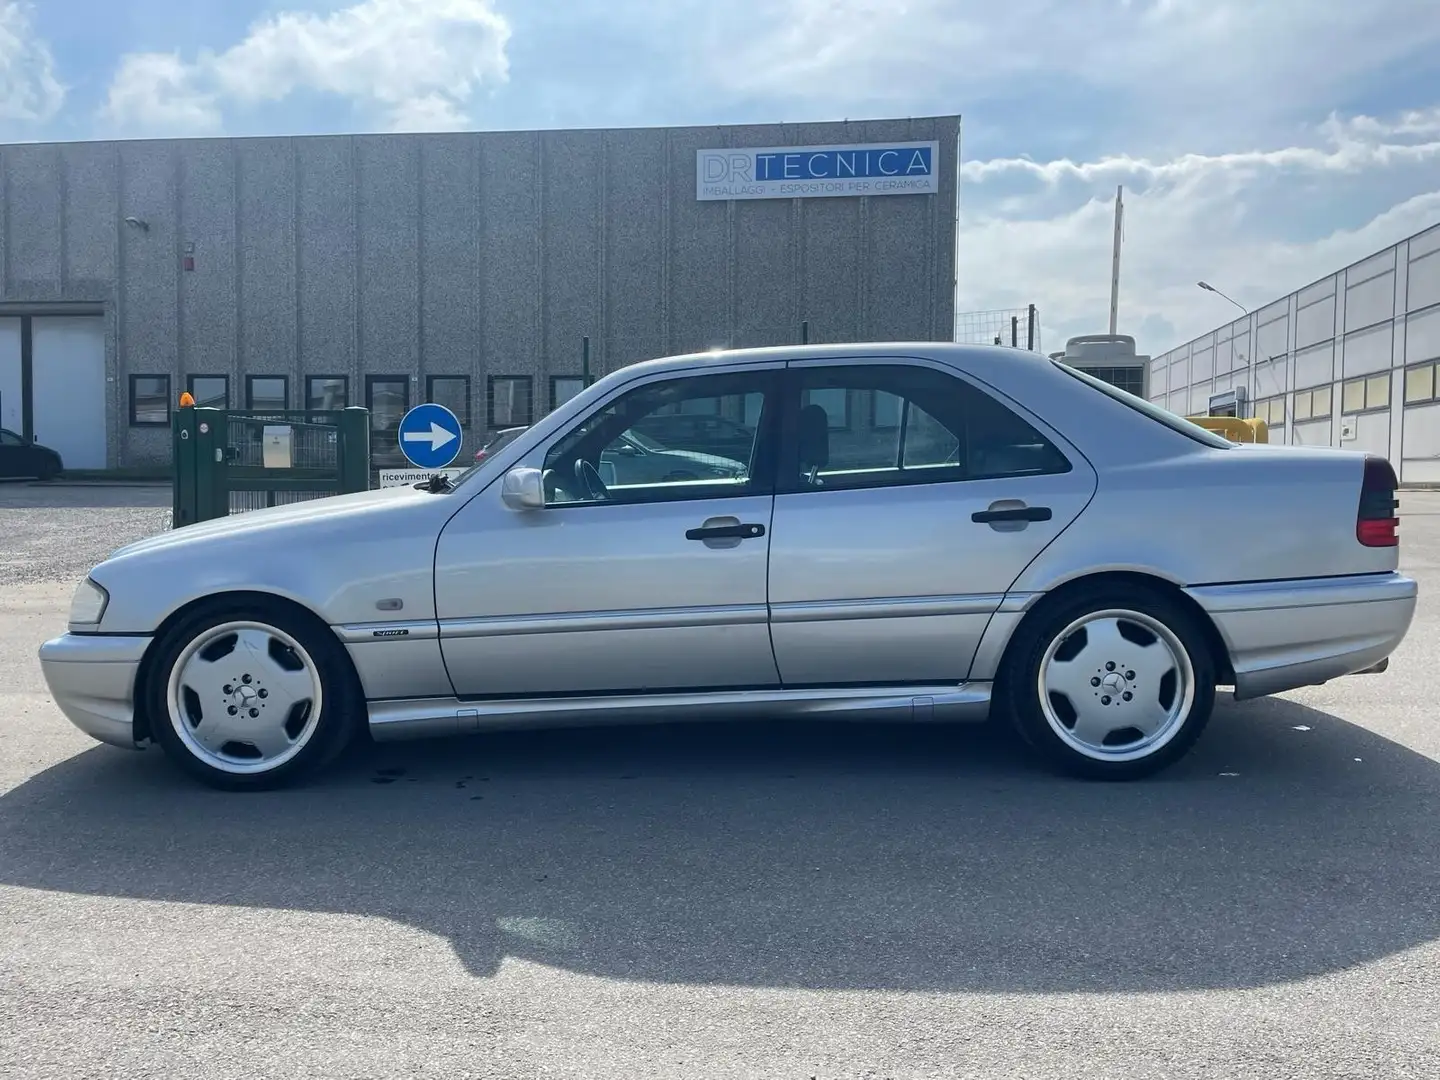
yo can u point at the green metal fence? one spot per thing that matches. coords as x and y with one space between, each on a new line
230 461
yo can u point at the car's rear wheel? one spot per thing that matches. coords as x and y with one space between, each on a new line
253 696
1111 684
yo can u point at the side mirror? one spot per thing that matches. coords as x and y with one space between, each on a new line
523 489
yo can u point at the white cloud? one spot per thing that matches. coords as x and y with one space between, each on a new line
432 112
158 94
1196 71
1355 143
1231 219
413 63
868 50
29 90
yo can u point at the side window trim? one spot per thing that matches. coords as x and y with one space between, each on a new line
787 477
769 377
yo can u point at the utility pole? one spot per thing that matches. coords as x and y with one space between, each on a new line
1115 260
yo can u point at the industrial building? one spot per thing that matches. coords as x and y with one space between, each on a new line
1349 361
386 270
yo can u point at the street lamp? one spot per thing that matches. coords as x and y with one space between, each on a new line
1249 360
1211 288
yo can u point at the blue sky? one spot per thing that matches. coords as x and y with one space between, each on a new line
1262 143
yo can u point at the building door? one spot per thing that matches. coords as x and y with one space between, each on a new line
12 407
68 387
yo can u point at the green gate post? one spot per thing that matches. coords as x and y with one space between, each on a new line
183 508
212 490
353 451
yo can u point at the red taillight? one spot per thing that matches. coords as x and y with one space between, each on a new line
1375 522
480 454
1378 533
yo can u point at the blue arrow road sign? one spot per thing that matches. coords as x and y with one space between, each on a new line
430 436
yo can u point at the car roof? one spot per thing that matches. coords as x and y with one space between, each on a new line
976 358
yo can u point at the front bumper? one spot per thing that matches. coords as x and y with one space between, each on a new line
92 679
1286 634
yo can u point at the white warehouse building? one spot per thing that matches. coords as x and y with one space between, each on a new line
1349 361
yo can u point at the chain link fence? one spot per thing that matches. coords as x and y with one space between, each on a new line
1019 327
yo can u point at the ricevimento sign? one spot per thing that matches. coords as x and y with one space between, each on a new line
813 172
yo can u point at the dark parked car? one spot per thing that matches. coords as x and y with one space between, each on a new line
22 460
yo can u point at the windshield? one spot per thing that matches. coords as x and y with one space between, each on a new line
1150 409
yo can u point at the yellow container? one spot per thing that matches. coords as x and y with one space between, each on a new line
1236 429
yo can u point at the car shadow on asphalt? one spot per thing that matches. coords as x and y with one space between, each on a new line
1288 844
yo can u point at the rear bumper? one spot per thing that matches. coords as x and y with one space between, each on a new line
1286 634
92 679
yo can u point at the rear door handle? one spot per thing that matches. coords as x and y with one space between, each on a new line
726 532
1012 513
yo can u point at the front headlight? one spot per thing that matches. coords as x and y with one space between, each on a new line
88 604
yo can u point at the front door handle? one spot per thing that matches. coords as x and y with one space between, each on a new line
1012 513
739 531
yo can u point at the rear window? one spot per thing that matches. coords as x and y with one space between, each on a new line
1150 409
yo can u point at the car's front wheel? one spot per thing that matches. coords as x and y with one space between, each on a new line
1111 683
253 696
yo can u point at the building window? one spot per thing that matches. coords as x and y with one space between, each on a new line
1271 410
267 393
885 409
388 399
149 400
452 391
835 400
1363 395
1420 384
563 388
1313 404
326 393
510 401
210 391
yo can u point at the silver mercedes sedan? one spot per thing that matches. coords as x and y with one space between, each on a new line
921 532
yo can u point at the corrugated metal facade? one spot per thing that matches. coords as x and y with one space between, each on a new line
1348 361
478 255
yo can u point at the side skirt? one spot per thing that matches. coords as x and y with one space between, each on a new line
426 717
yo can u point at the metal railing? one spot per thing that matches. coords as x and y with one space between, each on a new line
230 462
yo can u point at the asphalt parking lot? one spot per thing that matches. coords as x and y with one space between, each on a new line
826 901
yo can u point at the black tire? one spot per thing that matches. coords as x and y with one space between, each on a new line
49 471
1020 691
341 715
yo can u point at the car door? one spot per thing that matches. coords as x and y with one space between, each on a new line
908 500
627 587
15 456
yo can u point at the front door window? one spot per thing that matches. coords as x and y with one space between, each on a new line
680 439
